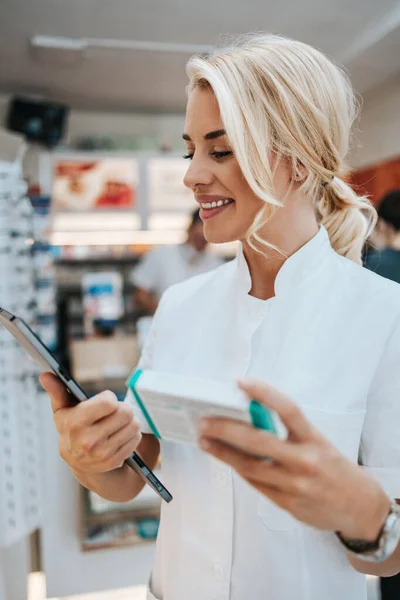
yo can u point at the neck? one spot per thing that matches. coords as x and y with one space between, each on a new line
394 242
265 267
190 244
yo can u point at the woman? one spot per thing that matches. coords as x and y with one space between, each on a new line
267 132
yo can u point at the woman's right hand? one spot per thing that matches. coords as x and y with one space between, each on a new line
94 436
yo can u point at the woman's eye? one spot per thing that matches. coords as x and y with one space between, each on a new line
216 154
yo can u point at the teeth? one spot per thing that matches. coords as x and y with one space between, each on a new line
208 205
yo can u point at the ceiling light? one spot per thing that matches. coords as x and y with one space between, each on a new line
80 45
61 43
64 52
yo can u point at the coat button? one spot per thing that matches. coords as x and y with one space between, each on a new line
222 478
218 572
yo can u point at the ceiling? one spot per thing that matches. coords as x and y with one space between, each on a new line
364 34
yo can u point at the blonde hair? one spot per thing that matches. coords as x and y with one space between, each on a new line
279 97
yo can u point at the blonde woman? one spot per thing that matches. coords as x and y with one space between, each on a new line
267 132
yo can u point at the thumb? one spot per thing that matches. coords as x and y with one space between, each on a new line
292 417
59 396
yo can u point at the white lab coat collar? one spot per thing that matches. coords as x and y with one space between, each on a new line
296 269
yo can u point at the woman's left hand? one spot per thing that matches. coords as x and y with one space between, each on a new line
307 475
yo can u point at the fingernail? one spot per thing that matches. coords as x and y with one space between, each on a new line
243 382
205 444
203 426
247 381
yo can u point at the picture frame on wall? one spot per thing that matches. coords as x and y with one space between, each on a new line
94 184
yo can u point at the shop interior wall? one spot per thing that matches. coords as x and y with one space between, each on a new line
378 134
167 128
378 179
376 157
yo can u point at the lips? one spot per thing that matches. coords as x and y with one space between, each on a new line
208 202
210 213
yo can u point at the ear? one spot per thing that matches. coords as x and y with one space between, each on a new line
300 173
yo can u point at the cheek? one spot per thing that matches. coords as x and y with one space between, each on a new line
247 203
242 192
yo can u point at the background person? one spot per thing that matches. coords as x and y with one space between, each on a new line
164 266
383 257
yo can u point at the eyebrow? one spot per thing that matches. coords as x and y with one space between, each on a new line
212 135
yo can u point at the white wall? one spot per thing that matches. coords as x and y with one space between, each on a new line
166 128
378 137
14 569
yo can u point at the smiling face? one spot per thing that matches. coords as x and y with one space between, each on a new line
228 204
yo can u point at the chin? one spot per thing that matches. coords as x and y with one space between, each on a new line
219 234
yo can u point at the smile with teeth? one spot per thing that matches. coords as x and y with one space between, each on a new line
207 205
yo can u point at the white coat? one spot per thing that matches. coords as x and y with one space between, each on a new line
330 340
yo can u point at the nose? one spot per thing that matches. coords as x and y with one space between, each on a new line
198 174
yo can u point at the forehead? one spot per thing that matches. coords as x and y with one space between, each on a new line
202 113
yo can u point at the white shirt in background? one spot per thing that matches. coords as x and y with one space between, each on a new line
330 340
167 265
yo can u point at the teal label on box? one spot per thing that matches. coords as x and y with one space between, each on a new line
132 383
261 417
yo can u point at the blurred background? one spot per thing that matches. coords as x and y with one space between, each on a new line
95 223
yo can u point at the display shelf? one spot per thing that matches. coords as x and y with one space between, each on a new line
126 542
100 260
76 290
20 432
108 524
126 319
126 515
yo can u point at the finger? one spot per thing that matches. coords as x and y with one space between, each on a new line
129 433
59 396
256 471
251 440
104 451
126 450
97 408
292 417
111 424
283 499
